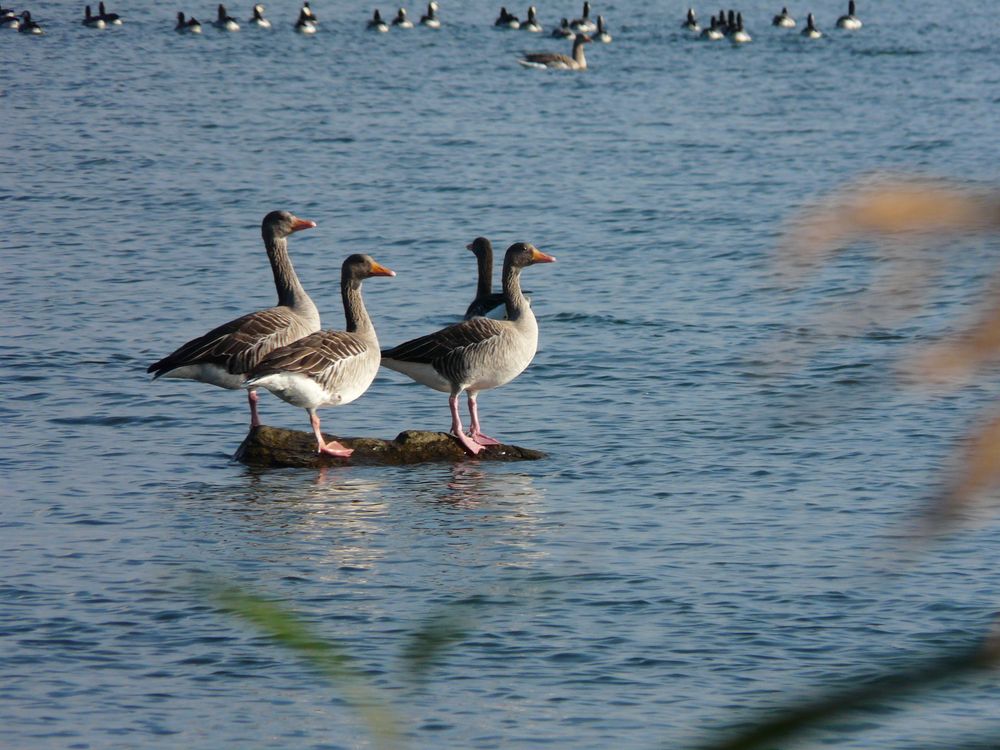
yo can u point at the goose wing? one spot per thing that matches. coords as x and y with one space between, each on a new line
319 356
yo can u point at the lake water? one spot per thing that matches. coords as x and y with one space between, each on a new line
710 534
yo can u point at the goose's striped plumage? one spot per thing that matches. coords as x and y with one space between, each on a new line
224 355
476 354
328 368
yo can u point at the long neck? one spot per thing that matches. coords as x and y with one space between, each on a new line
355 313
517 305
286 282
578 52
485 285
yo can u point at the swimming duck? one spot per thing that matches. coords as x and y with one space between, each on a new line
583 24
479 353
850 22
576 61
532 24
430 19
602 34
401 21
91 21
563 31
740 35
190 26
258 19
377 24
111 19
712 33
507 21
783 20
224 22
327 368
305 24
810 31
691 22
27 26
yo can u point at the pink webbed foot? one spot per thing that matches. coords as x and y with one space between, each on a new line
484 439
467 443
334 448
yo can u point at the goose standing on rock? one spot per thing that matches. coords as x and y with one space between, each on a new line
111 19
506 21
258 19
91 21
225 355
486 299
850 22
223 21
576 61
691 22
810 31
476 354
377 23
327 368
401 21
783 20
190 26
27 26
532 24
431 20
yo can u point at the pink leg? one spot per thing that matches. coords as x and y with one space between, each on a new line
332 448
474 432
456 427
252 397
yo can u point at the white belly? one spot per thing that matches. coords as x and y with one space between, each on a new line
212 374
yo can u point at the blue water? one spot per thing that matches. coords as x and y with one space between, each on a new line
731 466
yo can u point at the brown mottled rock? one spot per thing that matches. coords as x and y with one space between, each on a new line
276 447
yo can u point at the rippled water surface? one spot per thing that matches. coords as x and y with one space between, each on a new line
709 532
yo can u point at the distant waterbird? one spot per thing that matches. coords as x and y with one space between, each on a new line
850 22
574 61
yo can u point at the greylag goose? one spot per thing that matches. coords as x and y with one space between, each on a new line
486 299
111 19
92 21
190 26
224 355
258 19
810 31
532 24
476 354
783 20
850 22
583 24
691 22
576 61
377 23
431 20
327 368
401 21
223 21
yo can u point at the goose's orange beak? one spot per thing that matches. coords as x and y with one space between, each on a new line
300 224
379 270
537 256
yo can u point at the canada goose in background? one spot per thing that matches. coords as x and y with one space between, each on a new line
93 22
721 18
506 21
258 19
191 26
476 354
575 61
532 24
223 21
783 20
377 24
225 355
691 22
111 19
563 31
583 24
307 12
327 368
27 26
486 299
740 35
730 23
850 22
712 32
401 21
305 24
602 34
8 19
431 20
810 31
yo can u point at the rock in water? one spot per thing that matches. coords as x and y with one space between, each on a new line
276 447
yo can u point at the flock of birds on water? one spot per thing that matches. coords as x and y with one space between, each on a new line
284 350
582 30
